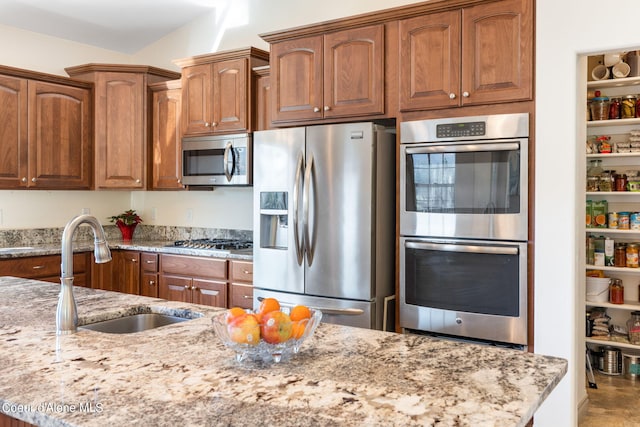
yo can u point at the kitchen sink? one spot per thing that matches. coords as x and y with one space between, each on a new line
134 323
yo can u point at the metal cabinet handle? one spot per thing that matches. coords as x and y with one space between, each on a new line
247 272
152 282
186 287
38 267
207 124
316 110
452 95
465 94
247 296
214 124
24 179
327 108
34 179
134 260
194 288
149 262
137 181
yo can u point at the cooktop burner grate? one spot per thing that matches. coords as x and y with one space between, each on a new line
218 244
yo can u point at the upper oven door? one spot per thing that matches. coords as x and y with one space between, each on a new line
471 189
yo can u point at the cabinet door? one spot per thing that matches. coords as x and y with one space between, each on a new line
166 143
354 72
102 275
430 61
209 292
296 79
59 136
240 295
128 268
120 130
174 288
196 100
497 55
13 134
263 102
149 284
230 95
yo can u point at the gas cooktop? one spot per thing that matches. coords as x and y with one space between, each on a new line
215 244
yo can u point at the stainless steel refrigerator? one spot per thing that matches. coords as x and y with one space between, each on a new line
324 220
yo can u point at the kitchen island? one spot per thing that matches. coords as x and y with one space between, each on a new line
182 375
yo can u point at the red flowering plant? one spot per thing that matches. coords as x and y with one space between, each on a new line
129 217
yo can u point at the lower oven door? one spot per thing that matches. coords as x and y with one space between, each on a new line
468 288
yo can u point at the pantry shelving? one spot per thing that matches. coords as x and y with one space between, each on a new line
619 130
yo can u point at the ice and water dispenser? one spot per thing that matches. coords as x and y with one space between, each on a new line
274 220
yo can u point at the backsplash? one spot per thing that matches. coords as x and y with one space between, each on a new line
48 236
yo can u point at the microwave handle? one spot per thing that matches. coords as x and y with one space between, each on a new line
229 149
466 148
497 250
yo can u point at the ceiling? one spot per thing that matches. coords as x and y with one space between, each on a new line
120 25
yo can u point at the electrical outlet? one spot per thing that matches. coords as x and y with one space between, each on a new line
154 214
189 215
86 211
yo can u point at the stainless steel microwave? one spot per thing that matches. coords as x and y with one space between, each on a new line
217 160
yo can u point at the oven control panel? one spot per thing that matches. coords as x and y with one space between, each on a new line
453 130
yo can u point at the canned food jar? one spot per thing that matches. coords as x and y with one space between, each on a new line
632 255
600 108
616 292
620 182
628 107
623 220
614 109
612 220
620 255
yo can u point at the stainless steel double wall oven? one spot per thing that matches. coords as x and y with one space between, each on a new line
464 227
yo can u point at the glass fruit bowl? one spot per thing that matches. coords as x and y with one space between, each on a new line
270 339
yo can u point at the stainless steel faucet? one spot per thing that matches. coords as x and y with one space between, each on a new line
67 313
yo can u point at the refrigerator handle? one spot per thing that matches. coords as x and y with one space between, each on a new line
296 210
305 207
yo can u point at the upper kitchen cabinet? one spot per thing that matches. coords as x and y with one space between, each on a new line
166 143
45 141
476 55
334 75
120 121
218 91
262 77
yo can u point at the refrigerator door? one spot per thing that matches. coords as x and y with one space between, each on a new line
278 261
338 201
360 314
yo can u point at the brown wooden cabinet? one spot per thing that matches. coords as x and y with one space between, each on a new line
217 91
476 55
166 137
262 78
195 280
149 274
240 284
46 268
126 265
120 121
335 75
45 141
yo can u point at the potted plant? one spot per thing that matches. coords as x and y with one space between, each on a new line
126 222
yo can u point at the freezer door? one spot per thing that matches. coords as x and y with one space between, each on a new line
338 211
360 314
277 191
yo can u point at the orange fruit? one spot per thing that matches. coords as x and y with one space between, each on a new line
300 312
297 329
234 312
267 305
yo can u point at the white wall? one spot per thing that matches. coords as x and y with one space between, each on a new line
566 31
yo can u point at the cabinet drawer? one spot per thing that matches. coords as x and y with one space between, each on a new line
39 267
149 262
193 266
240 295
241 271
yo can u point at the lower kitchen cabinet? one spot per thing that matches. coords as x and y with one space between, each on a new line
127 267
193 279
46 268
149 274
240 284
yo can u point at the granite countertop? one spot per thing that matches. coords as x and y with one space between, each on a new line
159 246
182 375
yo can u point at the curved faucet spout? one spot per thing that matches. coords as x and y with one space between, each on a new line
66 313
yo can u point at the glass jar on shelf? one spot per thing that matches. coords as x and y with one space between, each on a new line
594 173
606 181
616 292
628 107
633 326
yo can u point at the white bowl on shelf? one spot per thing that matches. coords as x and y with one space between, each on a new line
601 297
596 285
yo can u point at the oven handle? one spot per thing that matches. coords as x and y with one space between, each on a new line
498 250
466 148
229 149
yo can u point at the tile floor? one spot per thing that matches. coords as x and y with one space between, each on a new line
615 403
